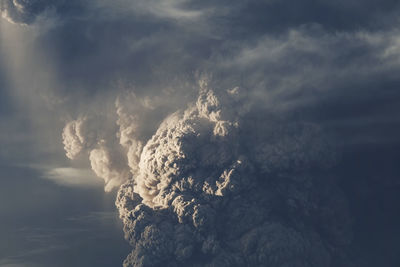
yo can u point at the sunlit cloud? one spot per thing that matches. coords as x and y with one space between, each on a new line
73 177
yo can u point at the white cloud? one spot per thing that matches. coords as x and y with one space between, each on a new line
73 177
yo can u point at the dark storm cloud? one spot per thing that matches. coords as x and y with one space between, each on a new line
148 43
161 47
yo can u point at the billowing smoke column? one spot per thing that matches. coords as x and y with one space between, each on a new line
219 185
131 122
85 136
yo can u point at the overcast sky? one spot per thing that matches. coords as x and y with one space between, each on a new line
109 67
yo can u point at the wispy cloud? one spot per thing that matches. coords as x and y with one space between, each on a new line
73 177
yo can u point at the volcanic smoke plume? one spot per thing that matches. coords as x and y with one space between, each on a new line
219 184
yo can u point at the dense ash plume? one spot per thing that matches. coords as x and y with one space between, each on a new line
131 121
76 137
217 185
86 136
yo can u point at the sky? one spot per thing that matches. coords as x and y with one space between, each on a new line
211 133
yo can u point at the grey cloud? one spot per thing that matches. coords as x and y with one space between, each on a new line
218 41
298 67
174 9
326 77
26 11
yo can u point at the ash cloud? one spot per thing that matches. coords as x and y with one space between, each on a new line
85 136
109 165
132 123
216 185
205 197
75 137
